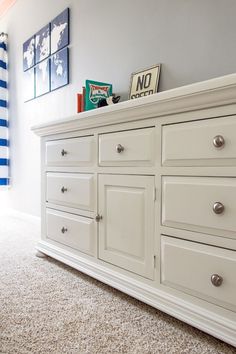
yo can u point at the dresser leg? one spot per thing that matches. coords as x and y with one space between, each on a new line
40 254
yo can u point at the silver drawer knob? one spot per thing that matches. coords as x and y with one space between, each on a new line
216 280
218 208
218 141
119 148
98 218
63 152
64 229
63 189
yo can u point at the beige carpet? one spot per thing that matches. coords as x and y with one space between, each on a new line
46 307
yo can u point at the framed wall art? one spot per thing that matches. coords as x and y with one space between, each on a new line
144 82
42 78
46 58
29 53
42 44
59 69
60 31
29 84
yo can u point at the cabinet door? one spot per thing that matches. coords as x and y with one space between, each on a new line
126 230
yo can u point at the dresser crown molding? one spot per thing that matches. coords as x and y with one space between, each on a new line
201 95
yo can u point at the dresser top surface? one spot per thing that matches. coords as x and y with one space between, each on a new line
206 94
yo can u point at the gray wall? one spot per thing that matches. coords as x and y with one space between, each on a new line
194 41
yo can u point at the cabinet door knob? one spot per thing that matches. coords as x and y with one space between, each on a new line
63 152
216 280
98 218
218 141
63 189
119 148
64 229
218 208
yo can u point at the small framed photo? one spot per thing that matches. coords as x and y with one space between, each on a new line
60 69
42 44
60 31
144 82
29 54
42 78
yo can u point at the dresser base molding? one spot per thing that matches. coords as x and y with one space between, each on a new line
214 324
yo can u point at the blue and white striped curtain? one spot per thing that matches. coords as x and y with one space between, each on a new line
4 141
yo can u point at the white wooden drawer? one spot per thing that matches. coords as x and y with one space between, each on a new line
189 267
75 190
191 143
127 148
70 152
189 203
71 230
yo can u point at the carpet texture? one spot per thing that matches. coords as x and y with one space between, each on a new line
47 307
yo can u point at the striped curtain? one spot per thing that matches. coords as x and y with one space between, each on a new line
4 141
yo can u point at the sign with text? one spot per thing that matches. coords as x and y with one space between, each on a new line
145 82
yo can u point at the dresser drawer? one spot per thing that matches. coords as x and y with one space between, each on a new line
127 148
204 204
203 271
70 152
71 230
75 190
210 142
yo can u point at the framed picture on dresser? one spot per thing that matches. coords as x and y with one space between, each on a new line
144 82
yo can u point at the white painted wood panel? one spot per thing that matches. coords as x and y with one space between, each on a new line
138 148
187 203
126 231
188 266
191 143
74 190
70 152
196 111
71 230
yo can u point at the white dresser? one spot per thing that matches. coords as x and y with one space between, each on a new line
142 196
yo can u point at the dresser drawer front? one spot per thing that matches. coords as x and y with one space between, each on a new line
71 230
190 203
127 148
200 143
193 268
75 190
70 152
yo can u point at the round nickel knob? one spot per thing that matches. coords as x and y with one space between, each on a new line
218 141
64 229
63 152
119 148
216 280
218 208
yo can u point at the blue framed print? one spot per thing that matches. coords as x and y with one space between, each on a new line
42 44
60 31
29 84
60 69
46 58
42 78
28 54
